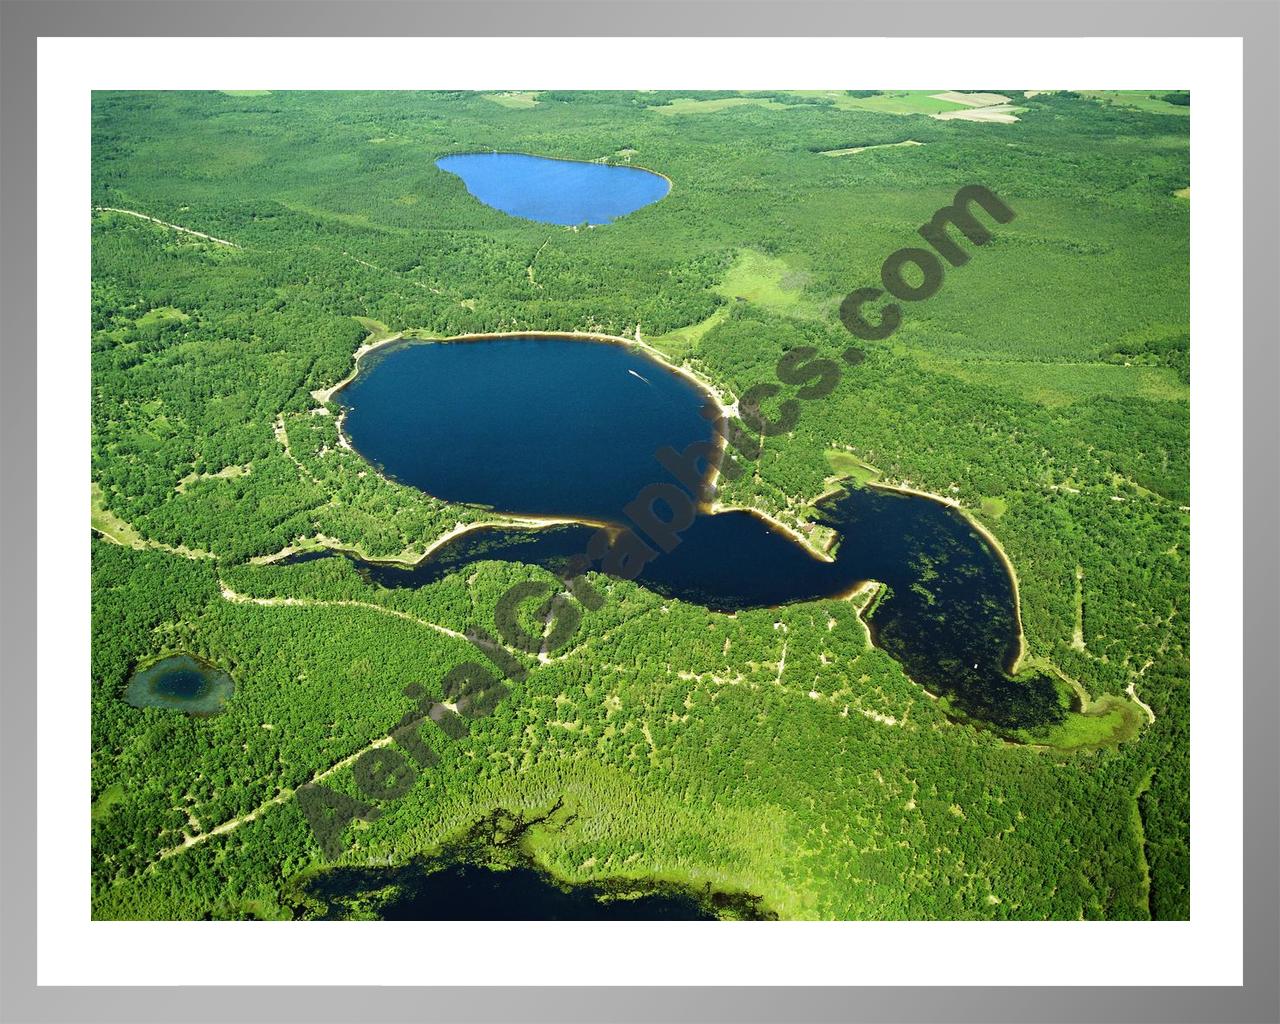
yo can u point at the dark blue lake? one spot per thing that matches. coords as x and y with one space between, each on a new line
465 892
572 427
539 426
567 192
486 875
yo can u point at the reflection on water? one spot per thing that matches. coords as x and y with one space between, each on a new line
487 875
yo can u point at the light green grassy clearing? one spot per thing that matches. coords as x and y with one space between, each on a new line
1107 722
849 467
376 328
993 508
120 532
755 841
863 149
111 796
685 105
680 344
908 101
1060 384
514 100
245 92
110 525
1137 99
1140 834
1184 193
159 315
753 276
762 280
355 220
226 473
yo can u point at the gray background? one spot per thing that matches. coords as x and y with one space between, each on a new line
1258 22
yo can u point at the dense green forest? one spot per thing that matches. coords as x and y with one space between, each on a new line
775 752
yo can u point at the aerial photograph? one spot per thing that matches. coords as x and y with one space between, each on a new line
640 506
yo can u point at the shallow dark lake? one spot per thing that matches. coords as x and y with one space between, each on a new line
567 192
563 426
180 682
471 893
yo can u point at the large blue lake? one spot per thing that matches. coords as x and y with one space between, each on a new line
541 426
568 192
571 427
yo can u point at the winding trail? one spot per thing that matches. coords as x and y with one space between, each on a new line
279 798
1132 691
165 224
282 437
529 269
285 794
304 602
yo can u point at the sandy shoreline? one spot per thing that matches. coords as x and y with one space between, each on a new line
776 524
990 538
730 409
511 522
710 391
515 520
325 395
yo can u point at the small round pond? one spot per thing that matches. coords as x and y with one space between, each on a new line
182 683
565 192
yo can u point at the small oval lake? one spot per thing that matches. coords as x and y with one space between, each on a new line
565 192
182 683
572 427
